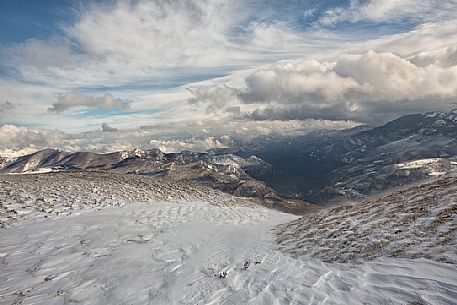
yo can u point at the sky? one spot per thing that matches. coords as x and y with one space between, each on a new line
195 74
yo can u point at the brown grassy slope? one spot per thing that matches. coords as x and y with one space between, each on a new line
418 222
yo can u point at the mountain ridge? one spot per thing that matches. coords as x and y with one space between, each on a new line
316 162
217 168
321 166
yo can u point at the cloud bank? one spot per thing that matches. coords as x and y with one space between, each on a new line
170 137
355 86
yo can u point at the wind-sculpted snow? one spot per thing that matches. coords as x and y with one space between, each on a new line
97 238
67 193
169 253
418 222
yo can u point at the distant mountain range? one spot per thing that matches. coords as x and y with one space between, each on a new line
329 165
217 168
318 167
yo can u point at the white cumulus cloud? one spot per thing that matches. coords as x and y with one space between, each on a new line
354 86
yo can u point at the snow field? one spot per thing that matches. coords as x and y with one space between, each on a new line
68 193
168 253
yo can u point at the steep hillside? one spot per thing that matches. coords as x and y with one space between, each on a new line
41 159
417 222
340 165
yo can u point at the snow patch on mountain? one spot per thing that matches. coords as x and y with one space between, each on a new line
431 166
42 170
418 163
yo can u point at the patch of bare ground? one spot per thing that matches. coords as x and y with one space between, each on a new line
418 222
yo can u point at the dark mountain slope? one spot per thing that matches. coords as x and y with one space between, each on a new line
326 165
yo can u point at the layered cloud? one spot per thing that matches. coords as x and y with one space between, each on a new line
354 86
124 42
391 11
218 68
67 101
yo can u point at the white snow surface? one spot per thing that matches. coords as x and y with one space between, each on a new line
418 163
432 166
42 170
168 253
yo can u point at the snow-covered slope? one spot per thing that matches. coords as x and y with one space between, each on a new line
172 253
418 222
371 179
4 161
218 169
36 161
67 193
